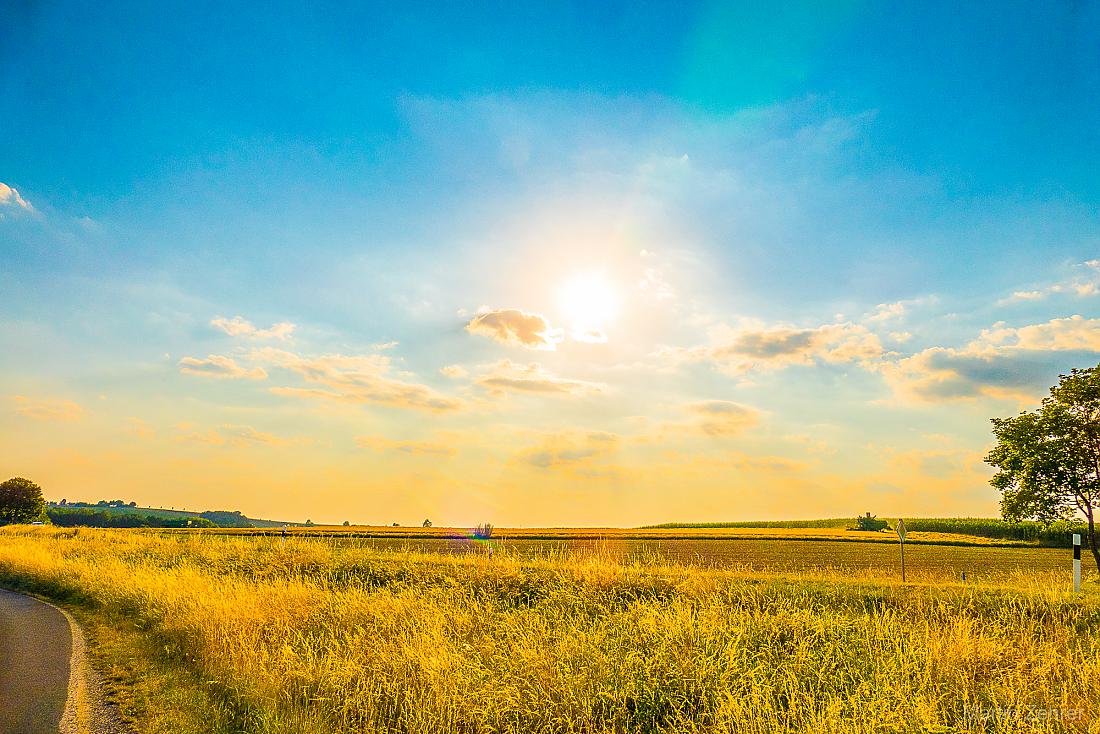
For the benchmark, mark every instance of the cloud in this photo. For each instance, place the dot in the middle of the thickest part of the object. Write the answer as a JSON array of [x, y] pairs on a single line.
[[738, 351], [590, 336], [418, 448], [47, 410], [218, 366], [453, 371], [140, 429], [250, 434], [1086, 282], [1073, 332], [384, 346], [353, 379], [724, 417], [1004, 362], [887, 311], [230, 435], [10, 199], [515, 327], [507, 376], [573, 451], [238, 326]]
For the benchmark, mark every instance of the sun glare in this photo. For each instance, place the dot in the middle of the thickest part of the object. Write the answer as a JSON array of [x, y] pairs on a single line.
[[589, 303]]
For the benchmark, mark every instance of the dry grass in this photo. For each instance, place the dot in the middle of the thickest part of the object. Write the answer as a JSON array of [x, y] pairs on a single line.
[[327, 636]]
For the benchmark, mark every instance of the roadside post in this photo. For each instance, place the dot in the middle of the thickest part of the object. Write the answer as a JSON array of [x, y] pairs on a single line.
[[901, 537], [1076, 562]]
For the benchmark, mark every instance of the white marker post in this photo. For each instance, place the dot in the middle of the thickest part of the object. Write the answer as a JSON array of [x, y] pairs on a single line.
[[901, 536], [1076, 562]]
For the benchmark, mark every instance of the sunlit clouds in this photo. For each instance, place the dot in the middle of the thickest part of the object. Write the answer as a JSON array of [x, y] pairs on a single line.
[[532, 378], [220, 367], [10, 199], [515, 327], [238, 326]]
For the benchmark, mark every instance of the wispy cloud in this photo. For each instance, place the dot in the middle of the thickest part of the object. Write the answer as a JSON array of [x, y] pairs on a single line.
[[418, 448], [238, 326], [453, 371], [515, 327], [1085, 282], [221, 367], [507, 376], [740, 350], [570, 450], [353, 379], [47, 409], [230, 435], [724, 417]]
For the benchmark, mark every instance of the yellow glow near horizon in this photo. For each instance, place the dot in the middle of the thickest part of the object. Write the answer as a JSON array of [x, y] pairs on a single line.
[[589, 302]]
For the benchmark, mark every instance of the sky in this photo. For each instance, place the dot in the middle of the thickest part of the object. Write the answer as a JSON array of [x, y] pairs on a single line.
[[540, 264]]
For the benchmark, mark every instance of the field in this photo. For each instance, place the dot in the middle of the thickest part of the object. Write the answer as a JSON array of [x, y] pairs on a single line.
[[221, 632]]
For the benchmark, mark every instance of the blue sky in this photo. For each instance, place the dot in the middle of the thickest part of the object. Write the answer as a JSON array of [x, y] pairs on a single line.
[[813, 247]]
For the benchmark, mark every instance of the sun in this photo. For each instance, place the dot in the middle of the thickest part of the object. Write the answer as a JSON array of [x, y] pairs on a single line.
[[589, 304]]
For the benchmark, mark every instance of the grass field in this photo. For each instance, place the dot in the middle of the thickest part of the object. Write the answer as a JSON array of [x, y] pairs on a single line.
[[341, 634]]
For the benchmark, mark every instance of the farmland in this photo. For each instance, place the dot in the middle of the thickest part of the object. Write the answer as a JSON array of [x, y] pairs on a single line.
[[346, 634]]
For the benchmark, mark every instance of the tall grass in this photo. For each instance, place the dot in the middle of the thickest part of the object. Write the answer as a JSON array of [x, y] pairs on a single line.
[[316, 636]]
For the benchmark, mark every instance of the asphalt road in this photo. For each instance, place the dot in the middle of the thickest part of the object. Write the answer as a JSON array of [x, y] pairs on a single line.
[[35, 649]]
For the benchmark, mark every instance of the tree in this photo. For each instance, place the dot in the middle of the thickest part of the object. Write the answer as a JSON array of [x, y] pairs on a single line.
[[1048, 460], [21, 501], [347, 523], [427, 523]]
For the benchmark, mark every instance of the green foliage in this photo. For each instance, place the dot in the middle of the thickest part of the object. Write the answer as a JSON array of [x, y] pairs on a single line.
[[1048, 460], [21, 502], [96, 518], [871, 523], [224, 519], [1059, 533]]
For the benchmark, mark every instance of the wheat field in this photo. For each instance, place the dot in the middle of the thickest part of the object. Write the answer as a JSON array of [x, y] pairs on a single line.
[[316, 636]]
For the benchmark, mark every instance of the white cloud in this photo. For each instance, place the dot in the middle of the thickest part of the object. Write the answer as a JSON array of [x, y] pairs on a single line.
[[1083, 283], [238, 326], [10, 199], [219, 366], [353, 379]]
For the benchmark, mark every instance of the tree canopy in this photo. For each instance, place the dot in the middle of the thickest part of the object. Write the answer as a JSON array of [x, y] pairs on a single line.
[[21, 501], [1048, 460]]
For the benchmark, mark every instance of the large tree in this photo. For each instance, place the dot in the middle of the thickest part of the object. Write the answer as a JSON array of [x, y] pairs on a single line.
[[1048, 460], [21, 501]]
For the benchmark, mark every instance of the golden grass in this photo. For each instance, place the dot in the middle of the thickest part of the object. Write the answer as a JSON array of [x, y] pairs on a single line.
[[515, 534], [327, 636]]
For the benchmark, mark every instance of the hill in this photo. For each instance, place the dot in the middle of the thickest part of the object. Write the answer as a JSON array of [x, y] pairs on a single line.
[[116, 513]]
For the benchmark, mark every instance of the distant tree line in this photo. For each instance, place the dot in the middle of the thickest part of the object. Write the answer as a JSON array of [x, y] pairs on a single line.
[[68, 517]]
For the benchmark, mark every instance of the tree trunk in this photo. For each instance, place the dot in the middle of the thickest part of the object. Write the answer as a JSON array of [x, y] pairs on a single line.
[[1092, 539]]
